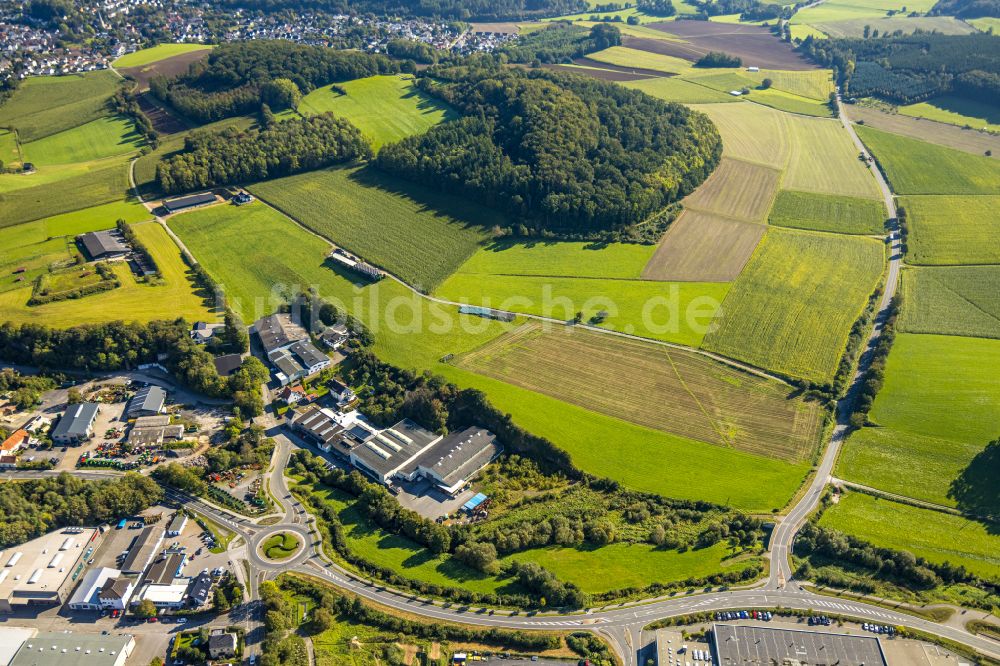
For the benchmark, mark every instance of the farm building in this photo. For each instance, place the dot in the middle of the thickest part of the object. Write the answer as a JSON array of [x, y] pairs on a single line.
[[190, 201], [356, 265], [242, 198], [44, 570], [227, 364], [289, 349], [488, 313], [751, 644], [76, 425], [74, 649], [103, 244], [148, 401]]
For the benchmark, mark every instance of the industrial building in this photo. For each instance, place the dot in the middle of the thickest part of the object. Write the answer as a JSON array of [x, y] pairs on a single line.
[[107, 244], [403, 452], [155, 435], [143, 548], [76, 425], [102, 588], [289, 349], [147, 401], [177, 524], [74, 649], [751, 644], [43, 571]]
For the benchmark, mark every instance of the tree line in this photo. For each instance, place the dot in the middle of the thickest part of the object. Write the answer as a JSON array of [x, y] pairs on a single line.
[[237, 77], [557, 153], [913, 68], [561, 42], [462, 10], [237, 156], [33, 507]]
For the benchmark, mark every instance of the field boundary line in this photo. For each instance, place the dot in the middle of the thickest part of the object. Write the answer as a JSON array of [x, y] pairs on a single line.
[[701, 407], [911, 501]]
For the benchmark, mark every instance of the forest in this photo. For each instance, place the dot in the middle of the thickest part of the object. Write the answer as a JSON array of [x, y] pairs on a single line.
[[559, 154], [966, 8], [234, 79], [462, 10], [913, 68], [236, 156], [35, 506], [561, 42]]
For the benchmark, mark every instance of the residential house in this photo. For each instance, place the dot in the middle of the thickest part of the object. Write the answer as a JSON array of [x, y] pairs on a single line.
[[221, 644]]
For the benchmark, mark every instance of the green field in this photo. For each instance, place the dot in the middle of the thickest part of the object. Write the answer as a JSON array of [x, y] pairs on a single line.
[[952, 300], [166, 298], [626, 57], [280, 546], [44, 105], [823, 212], [949, 230], [856, 27], [841, 10], [419, 235], [916, 167], [751, 132], [956, 111], [784, 101], [105, 181], [384, 108], [795, 92], [793, 306], [10, 156], [260, 269], [675, 89], [157, 53], [823, 159], [104, 137], [937, 537], [36, 245], [559, 259], [985, 23]]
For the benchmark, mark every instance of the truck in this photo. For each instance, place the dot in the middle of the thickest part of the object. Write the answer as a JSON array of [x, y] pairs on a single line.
[[121, 524]]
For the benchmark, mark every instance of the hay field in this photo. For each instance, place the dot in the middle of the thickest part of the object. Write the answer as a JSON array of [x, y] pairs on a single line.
[[949, 230], [842, 10], [91, 184], [559, 259], [105, 137], [736, 189], [384, 108], [751, 132], [952, 300], [419, 235], [917, 167], [704, 247], [823, 159], [675, 89], [784, 101], [888, 24], [950, 136], [157, 53], [44, 105], [681, 312], [792, 308], [824, 212], [925, 533], [678, 392], [956, 111], [9, 153], [167, 298], [633, 58]]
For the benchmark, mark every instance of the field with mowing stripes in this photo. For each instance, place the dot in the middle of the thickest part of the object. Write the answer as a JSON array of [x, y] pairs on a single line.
[[626, 57], [104, 137], [823, 159], [823, 212], [678, 392], [736, 189], [948, 230], [792, 308], [925, 533], [952, 300], [751, 132], [384, 108], [44, 105], [704, 247], [387, 221], [916, 167], [168, 298], [674, 89], [559, 259]]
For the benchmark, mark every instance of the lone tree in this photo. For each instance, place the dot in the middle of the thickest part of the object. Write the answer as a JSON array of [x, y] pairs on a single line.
[[145, 609], [765, 84]]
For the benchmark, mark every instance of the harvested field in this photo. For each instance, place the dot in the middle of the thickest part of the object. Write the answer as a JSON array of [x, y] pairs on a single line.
[[952, 300], [602, 74], [856, 27], [674, 391], [736, 189], [754, 44], [168, 67], [823, 159], [702, 247], [618, 69], [823, 212], [164, 121], [751, 132], [504, 28], [969, 141], [627, 58], [953, 230], [793, 307]]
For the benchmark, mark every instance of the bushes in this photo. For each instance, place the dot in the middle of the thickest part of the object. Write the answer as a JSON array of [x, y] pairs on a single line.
[[871, 383], [129, 235], [561, 42], [41, 294], [719, 59], [238, 156]]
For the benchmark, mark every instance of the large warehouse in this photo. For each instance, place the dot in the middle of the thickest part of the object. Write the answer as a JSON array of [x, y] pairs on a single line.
[[74, 649], [751, 644], [43, 571]]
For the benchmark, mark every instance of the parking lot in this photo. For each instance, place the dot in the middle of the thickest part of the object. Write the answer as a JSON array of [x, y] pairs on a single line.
[[424, 498]]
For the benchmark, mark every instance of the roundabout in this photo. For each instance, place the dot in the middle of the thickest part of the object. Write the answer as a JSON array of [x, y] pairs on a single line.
[[279, 547]]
